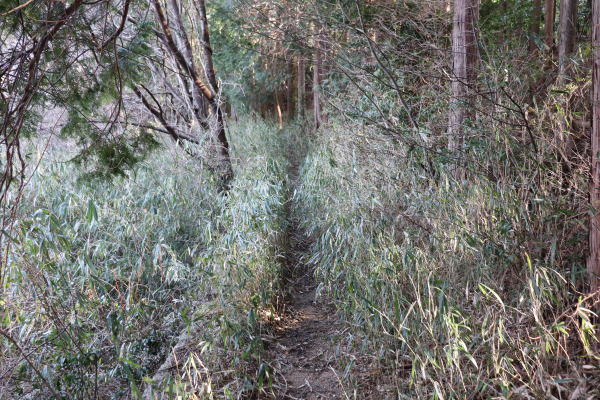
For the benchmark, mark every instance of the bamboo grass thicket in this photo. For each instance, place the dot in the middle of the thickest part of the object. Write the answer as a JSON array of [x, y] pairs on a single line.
[[102, 276]]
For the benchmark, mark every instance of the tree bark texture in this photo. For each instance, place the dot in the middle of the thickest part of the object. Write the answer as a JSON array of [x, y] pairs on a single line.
[[301, 84], [464, 69], [209, 69], [593, 262], [215, 105], [291, 88], [566, 32], [549, 18], [316, 85], [536, 17]]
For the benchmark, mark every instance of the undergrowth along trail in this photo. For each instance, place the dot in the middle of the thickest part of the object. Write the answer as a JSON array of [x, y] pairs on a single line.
[[107, 282]]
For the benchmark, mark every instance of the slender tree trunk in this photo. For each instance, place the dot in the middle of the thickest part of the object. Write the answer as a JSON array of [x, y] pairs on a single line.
[[324, 69], [464, 70], [301, 84], [207, 92], [209, 69], [199, 102], [536, 16], [215, 102], [549, 18], [278, 105], [291, 88], [593, 262], [167, 38], [566, 32], [472, 48], [316, 85], [459, 74], [263, 110]]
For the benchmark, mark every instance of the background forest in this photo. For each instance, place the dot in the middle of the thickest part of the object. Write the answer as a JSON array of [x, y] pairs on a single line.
[[439, 161]]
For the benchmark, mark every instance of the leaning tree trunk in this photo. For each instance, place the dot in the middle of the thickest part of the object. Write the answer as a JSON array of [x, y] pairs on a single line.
[[207, 91], [593, 262], [199, 103], [214, 101]]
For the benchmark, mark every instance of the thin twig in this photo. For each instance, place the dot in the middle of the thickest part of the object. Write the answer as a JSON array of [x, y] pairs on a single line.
[[37, 371]]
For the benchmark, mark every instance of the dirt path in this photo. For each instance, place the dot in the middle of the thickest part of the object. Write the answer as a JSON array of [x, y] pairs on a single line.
[[303, 349]]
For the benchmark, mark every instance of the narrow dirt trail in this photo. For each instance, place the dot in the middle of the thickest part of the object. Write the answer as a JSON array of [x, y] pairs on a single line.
[[302, 352]]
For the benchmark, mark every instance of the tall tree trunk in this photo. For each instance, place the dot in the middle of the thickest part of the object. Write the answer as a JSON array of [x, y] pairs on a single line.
[[549, 18], [464, 70], [301, 84], [472, 48], [536, 16], [593, 262], [316, 85], [566, 32], [459, 74], [291, 88]]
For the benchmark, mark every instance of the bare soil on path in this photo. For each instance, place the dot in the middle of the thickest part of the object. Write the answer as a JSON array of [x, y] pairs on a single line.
[[302, 352]]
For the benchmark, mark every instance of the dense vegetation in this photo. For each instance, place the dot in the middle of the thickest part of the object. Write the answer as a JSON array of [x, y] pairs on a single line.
[[440, 158]]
